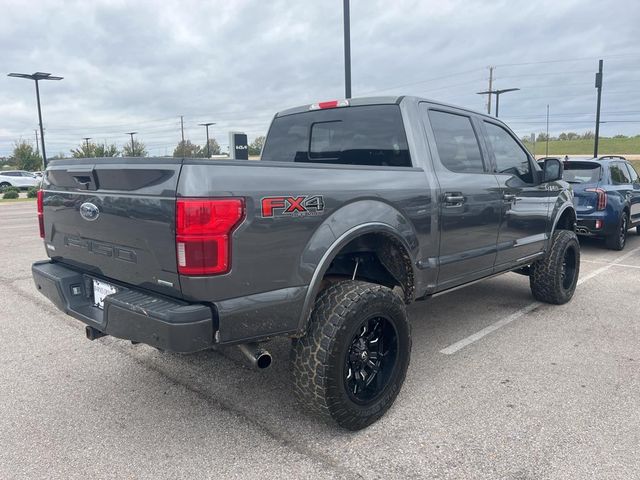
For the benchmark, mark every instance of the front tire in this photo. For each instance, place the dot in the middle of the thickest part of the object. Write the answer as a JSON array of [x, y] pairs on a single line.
[[617, 240], [554, 278], [351, 364]]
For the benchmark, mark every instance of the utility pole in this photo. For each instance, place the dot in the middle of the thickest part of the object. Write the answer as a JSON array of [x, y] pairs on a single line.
[[490, 89], [546, 154], [206, 125], [182, 127], [347, 49], [37, 147], [498, 93], [86, 140], [599, 87], [132, 144], [36, 77]]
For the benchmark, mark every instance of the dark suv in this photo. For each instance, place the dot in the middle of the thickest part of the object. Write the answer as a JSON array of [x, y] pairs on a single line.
[[607, 197]]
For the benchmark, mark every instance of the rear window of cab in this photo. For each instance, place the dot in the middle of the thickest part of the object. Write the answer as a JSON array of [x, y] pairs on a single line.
[[366, 135]]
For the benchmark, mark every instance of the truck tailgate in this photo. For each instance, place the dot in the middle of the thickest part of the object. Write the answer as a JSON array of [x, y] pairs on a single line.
[[115, 218]]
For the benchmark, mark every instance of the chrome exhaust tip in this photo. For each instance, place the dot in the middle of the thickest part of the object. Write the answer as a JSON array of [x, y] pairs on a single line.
[[257, 356]]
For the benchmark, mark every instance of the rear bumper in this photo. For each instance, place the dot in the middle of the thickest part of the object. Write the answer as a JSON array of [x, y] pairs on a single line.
[[586, 225], [130, 314]]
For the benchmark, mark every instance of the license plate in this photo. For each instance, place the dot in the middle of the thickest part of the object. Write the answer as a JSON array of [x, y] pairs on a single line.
[[100, 290]]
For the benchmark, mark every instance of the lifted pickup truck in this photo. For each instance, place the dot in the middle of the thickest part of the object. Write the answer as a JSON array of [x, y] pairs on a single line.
[[357, 208]]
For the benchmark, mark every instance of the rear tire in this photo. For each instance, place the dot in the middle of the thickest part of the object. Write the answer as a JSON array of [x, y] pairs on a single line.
[[4, 185], [554, 278], [351, 364], [618, 240]]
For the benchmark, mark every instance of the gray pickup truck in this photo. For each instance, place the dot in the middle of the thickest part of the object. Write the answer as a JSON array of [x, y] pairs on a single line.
[[356, 208]]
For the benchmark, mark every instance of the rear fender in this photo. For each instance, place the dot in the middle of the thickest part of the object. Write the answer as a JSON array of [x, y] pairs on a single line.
[[563, 203], [344, 226]]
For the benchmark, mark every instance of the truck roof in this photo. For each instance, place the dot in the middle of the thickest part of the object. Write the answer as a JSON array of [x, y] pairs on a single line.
[[382, 100]]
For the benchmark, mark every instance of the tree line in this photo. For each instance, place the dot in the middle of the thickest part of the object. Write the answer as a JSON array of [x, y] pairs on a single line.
[[25, 155], [542, 137]]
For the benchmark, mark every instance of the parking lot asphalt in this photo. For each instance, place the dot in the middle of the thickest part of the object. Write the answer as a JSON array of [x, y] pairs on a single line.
[[498, 387]]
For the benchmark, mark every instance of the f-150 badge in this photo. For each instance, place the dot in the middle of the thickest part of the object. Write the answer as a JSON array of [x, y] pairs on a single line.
[[296, 206]]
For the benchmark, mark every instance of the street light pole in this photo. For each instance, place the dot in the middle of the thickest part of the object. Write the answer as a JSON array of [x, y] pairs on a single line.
[[599, 87], [206, 126], [86, 140], [497, 93], [546, 152], [347, 49], [132, 144], [36, 77]]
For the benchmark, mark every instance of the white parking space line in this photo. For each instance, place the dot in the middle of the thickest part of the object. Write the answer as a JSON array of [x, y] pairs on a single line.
[[455, 347], [614, 265]]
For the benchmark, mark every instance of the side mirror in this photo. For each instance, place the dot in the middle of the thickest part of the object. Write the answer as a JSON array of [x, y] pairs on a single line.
[[552, 170]]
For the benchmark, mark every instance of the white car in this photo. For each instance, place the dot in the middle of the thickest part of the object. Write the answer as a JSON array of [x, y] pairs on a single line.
[[18, 178]]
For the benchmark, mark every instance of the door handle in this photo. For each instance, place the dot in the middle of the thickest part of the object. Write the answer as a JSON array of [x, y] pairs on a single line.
[[509, 197], [453, 198]]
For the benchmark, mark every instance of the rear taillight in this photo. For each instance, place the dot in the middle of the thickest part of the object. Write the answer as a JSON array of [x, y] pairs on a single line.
[[601, 202], [39, 198], [203, 229]]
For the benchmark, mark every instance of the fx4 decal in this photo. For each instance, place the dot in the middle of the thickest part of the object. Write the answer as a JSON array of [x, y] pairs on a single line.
[[298, 206]]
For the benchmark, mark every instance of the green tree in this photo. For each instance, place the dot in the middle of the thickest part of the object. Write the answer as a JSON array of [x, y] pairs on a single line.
[[186, 149], [91, 149], [588, 135], [24, 157], [542, 137], [214, 149], [139, 149], [83, 151], [255, 148]]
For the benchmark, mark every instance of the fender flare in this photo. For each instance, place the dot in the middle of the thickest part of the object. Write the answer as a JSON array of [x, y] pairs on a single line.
[[565, 206], [333, 250]]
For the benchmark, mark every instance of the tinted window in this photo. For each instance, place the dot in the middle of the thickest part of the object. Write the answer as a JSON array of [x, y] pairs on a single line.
[[510, 157], [575, 172], [456, 141], [619, 174], [633, 173], [367, 135]]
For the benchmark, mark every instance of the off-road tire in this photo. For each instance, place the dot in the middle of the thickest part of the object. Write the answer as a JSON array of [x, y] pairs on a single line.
[[617, 240], [546, 276], [318, 359]]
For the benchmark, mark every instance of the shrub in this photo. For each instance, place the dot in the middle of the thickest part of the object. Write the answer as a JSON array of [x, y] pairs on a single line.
[[9, 189], [32, 192], [10, 195]]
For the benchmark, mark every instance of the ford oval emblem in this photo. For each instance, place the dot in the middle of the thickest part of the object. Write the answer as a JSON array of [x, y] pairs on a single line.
[[89, 211]]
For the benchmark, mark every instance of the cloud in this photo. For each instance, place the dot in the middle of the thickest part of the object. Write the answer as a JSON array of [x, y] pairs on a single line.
[[140, 65]]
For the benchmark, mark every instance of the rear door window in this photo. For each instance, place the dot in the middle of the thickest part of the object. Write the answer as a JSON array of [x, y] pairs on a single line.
[[633, 173], [367, 135], [456, 142], [619, 174]]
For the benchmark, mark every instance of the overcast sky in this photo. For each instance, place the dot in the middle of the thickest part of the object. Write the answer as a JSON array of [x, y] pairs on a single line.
[[138, 66]]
